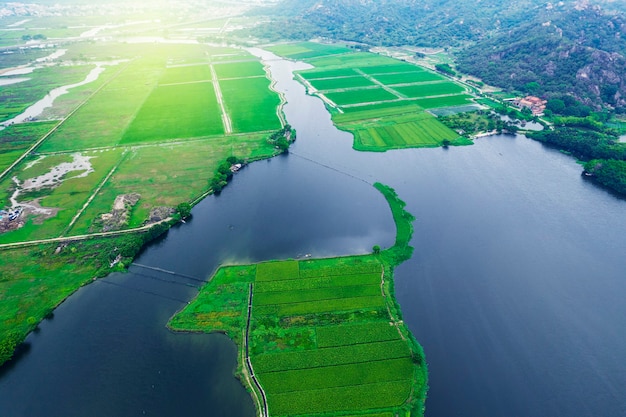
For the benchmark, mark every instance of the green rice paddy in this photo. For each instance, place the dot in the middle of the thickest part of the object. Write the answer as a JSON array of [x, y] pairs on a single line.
[[316, 346]]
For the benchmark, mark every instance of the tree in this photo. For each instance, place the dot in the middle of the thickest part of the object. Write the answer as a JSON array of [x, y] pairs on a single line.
[[376, 249], [184, 209]]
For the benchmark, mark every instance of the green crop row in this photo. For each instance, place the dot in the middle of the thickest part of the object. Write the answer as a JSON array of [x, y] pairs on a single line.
[[408, 77], [431, 89], [269, 271], [317, 282], [375, 396], [349, 334], [340, 355], [352, 374], [315, 294], [310, 307]]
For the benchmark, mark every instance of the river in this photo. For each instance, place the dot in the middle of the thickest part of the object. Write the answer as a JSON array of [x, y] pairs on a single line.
[[515, 288]]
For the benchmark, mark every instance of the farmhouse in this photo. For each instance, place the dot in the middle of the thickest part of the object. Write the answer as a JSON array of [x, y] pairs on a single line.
[[536, 105]]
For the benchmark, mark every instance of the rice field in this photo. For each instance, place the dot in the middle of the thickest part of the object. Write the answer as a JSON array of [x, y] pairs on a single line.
[[355, 96], [176, 112], [250, 104], [341, 83], [306, 50]]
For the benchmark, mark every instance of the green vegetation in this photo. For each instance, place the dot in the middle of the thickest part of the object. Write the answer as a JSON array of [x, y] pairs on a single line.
[[326, 336], [306, 50], [139, 146], [251, 105], [35, 279], [386, 116], [609, 173], [471, 123]]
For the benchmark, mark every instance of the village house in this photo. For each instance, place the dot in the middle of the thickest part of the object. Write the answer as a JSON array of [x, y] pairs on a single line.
[[536, 105]]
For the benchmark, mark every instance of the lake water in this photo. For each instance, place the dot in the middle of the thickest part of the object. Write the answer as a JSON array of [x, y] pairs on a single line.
[[515, 288]]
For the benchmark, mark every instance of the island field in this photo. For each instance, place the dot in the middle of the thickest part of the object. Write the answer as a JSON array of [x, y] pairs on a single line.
[[319, 337], [382, 101]]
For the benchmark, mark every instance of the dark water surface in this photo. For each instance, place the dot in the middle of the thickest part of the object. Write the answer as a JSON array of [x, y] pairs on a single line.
[[515, 288]]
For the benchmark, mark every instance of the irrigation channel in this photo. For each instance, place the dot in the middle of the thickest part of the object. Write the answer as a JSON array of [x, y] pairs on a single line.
[[515, 288]]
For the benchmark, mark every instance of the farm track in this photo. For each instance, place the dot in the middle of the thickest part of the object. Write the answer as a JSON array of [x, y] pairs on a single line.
[[264, 411], [228, 127]]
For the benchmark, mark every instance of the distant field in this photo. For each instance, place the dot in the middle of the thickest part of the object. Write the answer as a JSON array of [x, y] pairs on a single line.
[[434, 89], [361, 96], [407, 77], [391, 66], [176, 111], [314, 74], [446, 101], [353, 60], [251, 104], [239, 69], [186, 74], [304, 50], [120, 100], [340, 83]]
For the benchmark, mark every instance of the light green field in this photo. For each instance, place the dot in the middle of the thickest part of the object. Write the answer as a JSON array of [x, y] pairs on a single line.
[[314, 74], [314, 348], [430, 89], [176, 112], [391, 66], [407, 77], [251, 104], [186, 74], [353, 60], [446, 101], [341, 83], [119, 100], [239, 69], [360, 96], [305, 50]]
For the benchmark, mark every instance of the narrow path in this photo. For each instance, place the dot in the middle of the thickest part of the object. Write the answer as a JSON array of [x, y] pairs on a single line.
[[81, 237], [228, 127], [264, 411]]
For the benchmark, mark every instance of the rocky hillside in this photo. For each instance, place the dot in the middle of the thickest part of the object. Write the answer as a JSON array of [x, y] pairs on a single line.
[[579, 50]]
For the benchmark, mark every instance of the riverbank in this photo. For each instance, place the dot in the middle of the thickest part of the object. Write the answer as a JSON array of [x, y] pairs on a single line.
[[333, 323]]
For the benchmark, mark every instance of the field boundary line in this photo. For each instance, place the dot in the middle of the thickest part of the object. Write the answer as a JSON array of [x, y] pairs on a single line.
[[93, 195], [375, 81], [264, 412], [228, 127]]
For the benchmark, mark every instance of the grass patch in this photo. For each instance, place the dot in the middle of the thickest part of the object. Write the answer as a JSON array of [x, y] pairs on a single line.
[[15, 139], [319, 344], [446, 101]]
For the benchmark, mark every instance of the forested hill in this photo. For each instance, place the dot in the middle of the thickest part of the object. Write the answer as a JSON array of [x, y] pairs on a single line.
[[538, 47], [395, 22], [580, 51]]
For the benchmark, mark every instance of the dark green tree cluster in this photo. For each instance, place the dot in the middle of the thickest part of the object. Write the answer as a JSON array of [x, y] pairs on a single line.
[[283, 138], [446, 69], [609, 172]]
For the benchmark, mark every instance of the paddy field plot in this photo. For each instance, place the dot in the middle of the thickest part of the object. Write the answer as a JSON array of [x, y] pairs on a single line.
[[407, 77], [306, 50], [239, 69], [355, 96], [176, 112], [251, 105], [186, 74]]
